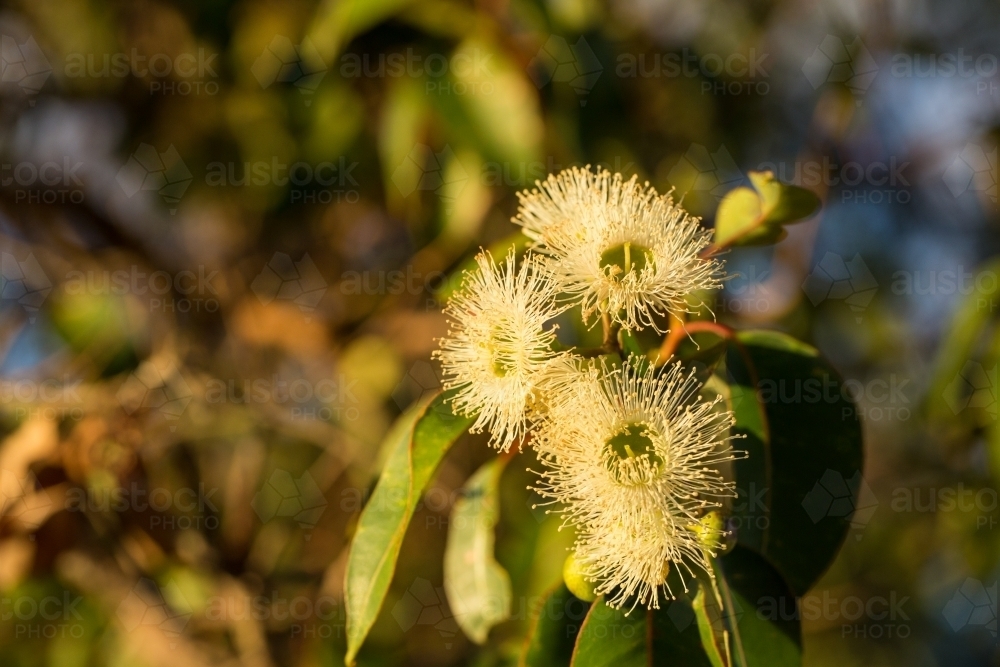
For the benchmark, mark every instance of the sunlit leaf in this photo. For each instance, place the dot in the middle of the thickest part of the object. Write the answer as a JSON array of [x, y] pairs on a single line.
[[756, 216], [500, 100], [421, 438]]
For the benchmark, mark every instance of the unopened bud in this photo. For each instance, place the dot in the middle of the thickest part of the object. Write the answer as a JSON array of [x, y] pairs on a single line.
[[709, 530], [576, 582]]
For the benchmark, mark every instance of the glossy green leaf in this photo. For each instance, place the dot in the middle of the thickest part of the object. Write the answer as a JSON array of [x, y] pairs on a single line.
[[709, 612], [553, 635], [420, 439], [610, 638], [759, 611], [801, 478], [746, 617], [756, 216], [477, 586]]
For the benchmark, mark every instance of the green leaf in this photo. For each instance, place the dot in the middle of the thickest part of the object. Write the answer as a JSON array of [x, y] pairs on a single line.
[[756, 216], [964, 342], [551, 640], [804, 445], [709, 612], [507, 121], [336, 23], [610, 638], [746, 617], [759, 610], [477, 586], [420, 439]]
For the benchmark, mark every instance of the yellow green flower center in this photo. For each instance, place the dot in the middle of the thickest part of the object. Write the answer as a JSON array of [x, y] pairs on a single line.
[[499, 350], [630, 454], [620, 260]]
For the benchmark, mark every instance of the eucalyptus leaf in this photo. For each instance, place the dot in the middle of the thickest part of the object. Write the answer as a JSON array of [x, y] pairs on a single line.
[[419, 440], [477, 586], [613, 638], [709, 611], [755, 216], [801, 481], [760, 612], [553, 635]]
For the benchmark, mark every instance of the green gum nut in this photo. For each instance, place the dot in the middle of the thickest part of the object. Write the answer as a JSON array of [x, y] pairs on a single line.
[[575, 581]]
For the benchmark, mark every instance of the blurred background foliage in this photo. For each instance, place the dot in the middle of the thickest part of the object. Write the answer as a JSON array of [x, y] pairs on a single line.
[[224, 225]]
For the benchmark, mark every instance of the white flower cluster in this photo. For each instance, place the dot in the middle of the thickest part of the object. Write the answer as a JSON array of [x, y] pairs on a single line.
[[630, 450]]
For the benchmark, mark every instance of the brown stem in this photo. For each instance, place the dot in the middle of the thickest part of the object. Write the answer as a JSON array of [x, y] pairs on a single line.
[[679, 330], [610, 345]]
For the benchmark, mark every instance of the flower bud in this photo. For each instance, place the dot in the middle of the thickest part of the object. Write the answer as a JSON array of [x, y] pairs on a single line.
[[575, 580]]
